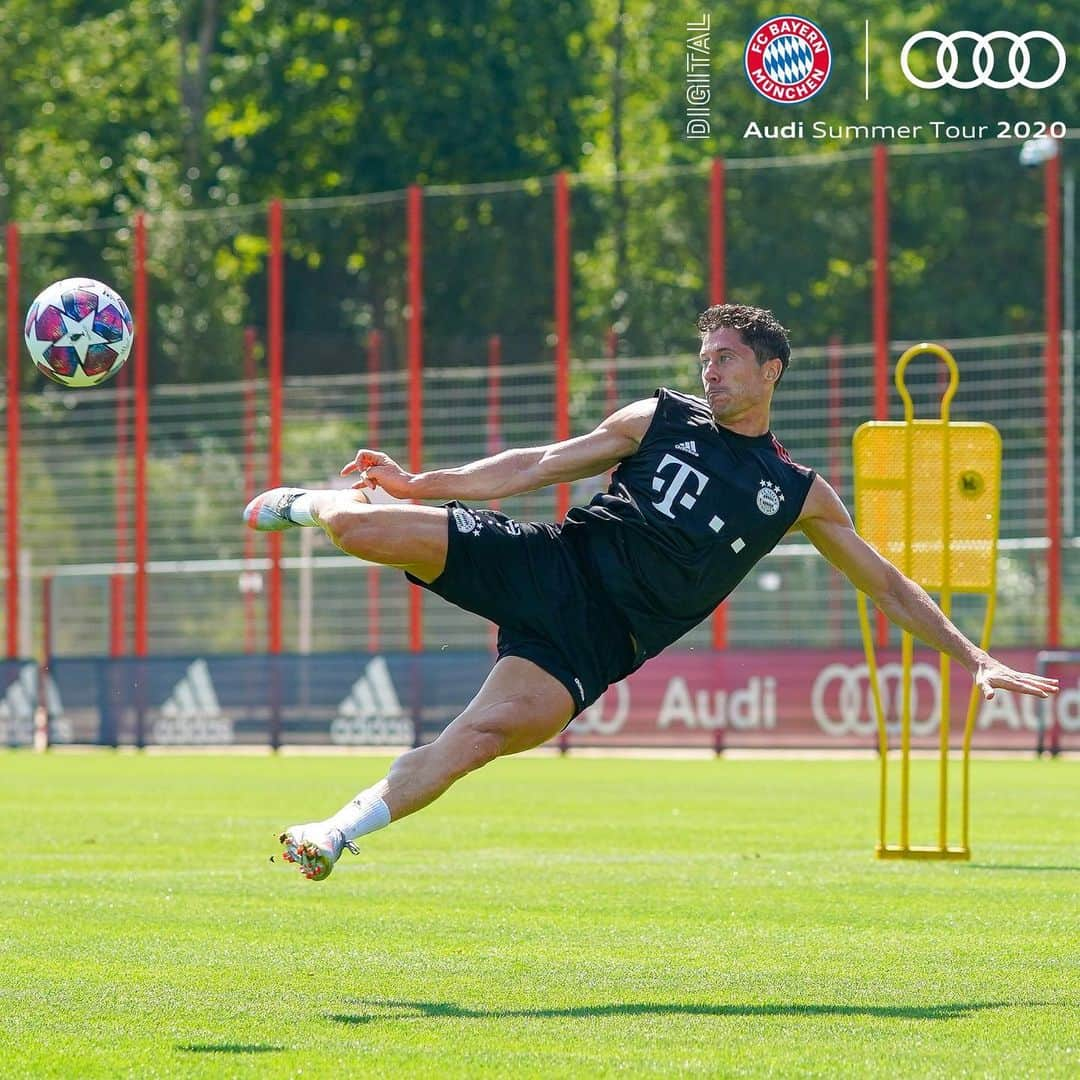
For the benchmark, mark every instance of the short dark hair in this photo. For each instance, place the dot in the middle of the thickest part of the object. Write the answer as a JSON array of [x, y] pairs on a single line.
[[760, 329]]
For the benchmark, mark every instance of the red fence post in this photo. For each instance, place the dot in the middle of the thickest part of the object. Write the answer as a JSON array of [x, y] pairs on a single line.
[[46, 622], [415, 232], [117, 595], [717, 241], [494, 426], [835, 411], [41, 713], [275, 317], [142, 424], [247, 582], [1052, 197], [11, 519], [611, 374], [494, 394], [374, 407], [880, 178], [494, 398], [717, 291], [562, 328]]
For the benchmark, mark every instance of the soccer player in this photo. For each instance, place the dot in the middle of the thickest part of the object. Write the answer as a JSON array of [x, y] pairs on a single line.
[[701, 491]]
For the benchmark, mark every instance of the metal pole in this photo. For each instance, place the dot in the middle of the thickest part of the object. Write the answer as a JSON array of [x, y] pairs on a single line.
[[1069, 372], [880, 229], [834, 360], [276, 363], [11, 518], [374, 408], [562, 327], [117, 619], [611, 376], [249, 478], [717, 290], [494, 429], [1052, 195], [303, 630], [415, 232], [42, 719], [26, 610], [717, 243], [142, 424], [494, 399]]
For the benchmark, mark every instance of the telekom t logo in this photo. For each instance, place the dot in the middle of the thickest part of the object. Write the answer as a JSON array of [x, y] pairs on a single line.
[[683, 478]]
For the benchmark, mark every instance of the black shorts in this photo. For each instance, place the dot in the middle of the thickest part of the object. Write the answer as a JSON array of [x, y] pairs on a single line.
[[533, 582]]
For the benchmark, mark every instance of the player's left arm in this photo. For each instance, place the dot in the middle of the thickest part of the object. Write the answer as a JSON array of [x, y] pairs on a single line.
[[827, 524]]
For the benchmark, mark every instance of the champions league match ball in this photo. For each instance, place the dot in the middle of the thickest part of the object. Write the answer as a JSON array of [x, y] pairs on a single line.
[[78, 331]]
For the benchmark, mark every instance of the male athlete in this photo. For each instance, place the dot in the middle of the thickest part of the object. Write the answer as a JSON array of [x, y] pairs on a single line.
[[701, 491]]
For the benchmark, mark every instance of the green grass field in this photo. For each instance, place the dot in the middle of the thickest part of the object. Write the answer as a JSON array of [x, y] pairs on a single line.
[[549, 917]]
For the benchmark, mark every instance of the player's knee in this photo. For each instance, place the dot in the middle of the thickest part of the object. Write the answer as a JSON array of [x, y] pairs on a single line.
[[481, 739], [347, 522]]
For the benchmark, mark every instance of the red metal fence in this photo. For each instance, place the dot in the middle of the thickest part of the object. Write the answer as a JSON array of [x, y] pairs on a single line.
[[381, 314]]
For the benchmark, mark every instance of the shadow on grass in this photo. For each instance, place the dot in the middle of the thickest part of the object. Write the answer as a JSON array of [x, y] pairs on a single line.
[[229, 1048], [1022, 866], [447, 1010]]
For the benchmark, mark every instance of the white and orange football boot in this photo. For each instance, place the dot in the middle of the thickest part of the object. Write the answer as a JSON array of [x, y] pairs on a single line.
[[314, 848]]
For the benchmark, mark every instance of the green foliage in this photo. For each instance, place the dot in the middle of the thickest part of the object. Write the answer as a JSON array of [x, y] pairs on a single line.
[[182, 105]]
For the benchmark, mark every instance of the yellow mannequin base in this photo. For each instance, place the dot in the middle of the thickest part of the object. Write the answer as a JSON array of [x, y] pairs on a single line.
[[894, 851]]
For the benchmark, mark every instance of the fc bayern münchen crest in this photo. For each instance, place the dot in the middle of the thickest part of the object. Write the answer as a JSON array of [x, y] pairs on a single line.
[[465, 521], [788, 59], [769, 498]]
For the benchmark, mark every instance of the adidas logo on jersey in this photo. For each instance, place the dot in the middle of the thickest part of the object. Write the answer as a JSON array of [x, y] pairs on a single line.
[[688, 447], [371, 714], [191, 714]]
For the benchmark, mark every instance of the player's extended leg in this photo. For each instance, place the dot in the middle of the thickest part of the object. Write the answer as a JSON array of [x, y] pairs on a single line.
[[408, 537], [518, 707]]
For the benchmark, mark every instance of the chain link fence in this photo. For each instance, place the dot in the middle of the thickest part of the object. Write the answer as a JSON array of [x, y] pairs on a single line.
[[965, 268], [206, 570]]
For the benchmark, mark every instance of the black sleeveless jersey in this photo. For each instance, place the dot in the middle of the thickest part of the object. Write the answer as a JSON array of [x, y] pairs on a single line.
[[685, 518]]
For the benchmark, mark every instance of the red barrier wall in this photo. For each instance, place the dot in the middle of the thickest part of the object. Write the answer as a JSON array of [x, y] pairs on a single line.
[[810, 698]]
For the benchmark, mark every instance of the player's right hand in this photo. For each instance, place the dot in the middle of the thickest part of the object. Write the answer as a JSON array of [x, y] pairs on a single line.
[[379, 470]]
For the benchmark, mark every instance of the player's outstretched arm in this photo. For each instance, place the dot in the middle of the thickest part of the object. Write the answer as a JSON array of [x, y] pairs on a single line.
[[513, 471], [826, 523]]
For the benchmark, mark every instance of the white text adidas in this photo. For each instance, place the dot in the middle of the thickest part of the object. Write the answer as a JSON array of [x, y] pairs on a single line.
[[371, 714], [191, 714]]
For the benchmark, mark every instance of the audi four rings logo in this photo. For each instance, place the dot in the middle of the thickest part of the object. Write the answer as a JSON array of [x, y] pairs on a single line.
[[983, 57], [843, 704]]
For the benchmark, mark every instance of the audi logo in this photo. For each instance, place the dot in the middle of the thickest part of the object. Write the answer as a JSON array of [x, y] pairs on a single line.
[[983, 59], [843, 703]]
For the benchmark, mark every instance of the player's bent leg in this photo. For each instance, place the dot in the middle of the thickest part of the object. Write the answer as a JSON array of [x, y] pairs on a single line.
[[412, 538], [408, 537], [519, 706]]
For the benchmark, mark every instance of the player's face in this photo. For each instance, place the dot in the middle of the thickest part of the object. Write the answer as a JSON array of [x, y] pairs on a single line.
[[734, 381]]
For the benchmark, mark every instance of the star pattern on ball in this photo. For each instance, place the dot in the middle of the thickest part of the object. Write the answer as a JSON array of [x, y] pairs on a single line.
[[79, 334]]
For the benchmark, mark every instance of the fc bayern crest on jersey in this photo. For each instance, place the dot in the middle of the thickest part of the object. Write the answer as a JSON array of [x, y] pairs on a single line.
[[466, 522], [769, 498], [788, 59]]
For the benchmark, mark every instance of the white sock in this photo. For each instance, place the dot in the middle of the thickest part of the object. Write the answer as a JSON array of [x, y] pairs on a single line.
[[302, 513], [300, 509], [364, 814]]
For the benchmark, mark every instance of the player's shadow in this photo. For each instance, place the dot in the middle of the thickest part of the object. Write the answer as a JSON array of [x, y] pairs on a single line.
[[230, 1048], [398, 1010]]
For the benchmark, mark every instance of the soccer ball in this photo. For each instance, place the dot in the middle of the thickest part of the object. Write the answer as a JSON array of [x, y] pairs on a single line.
[[78, 331]]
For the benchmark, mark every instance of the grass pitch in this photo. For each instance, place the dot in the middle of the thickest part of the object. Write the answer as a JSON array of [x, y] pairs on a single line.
[[547, 917]]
